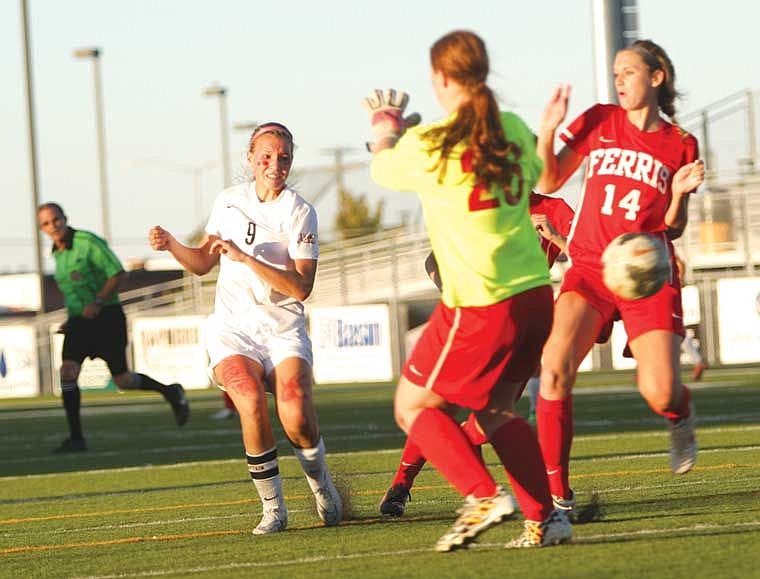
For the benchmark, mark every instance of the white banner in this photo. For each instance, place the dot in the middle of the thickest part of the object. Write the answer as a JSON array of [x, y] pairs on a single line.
[[690, 299], [18, 361], [171, 349], [739, 320], [351, 344], [618, 340], [94, 374], [19, 293]]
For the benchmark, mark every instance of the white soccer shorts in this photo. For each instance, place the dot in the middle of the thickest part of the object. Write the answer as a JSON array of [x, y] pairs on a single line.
[[256, 341]]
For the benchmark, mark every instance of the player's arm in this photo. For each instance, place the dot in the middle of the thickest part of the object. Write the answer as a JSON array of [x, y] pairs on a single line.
[[296, 283], [557, 167], [546, 230], [198, 260], [685, 182]]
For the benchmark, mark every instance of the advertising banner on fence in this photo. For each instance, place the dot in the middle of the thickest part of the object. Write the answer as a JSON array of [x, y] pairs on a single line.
[[19, 292], [351, 344], [692, 315], [19, 376], [739, 320], [94, 374], [171, 349]]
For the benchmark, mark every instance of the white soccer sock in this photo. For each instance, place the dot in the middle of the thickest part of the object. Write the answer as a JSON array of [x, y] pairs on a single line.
[[265, 474], [313, 463], [691, 350], [532, 387]]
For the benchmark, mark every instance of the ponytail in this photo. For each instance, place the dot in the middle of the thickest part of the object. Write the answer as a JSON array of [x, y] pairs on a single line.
[[462, 56]]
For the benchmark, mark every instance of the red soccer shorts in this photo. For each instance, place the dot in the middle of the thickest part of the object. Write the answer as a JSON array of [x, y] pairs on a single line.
[[464, 352], [661, 311]]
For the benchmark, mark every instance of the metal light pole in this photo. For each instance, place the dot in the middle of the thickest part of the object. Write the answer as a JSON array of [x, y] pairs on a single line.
[[94, 54], [221, 92], [615, 26], [44, 369], [32, 143]]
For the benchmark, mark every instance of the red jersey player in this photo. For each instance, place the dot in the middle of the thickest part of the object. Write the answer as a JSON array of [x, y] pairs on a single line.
[[640, 172]]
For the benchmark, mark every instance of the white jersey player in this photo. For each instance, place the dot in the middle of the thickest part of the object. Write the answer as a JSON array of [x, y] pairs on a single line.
[[264, 235]]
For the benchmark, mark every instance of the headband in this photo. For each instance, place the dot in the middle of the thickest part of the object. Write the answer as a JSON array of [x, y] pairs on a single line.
[[272, 127]]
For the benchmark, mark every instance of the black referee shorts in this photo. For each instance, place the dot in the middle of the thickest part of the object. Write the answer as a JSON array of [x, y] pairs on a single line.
[[102, 337]]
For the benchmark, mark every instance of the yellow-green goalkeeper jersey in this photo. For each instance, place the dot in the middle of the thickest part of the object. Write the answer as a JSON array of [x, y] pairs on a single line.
[[487, 250]]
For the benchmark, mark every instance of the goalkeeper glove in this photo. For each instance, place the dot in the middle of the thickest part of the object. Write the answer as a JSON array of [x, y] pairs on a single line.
[[387, 116]]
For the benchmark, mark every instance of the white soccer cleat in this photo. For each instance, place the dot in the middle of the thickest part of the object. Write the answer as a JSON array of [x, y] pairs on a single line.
[[223, 414], [273, 521], [554, 530], [476, 516], [329, 503], [683, 443]]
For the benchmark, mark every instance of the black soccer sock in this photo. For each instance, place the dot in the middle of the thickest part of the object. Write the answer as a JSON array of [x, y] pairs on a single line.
[[72, 397], [145, 382]]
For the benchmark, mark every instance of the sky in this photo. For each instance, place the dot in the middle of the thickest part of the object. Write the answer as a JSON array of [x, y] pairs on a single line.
[[307, 64]]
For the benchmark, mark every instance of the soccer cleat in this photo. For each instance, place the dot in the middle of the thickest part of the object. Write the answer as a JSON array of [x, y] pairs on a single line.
[[179, 404], [683, 443], [223, 414], [71, 445], [394, 501], [554, 530], [567, 506], [329, 503], [476, 516], [273, 521]]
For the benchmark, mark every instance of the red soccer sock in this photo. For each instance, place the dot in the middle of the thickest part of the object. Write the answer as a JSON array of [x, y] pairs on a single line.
[[683, 410], [517, 447], [554, 419], [412, 461], [446, 446]]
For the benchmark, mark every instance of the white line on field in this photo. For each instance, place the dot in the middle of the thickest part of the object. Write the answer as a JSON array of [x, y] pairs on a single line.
[[250, 515], [489, 546], [724, 484], [661, 454], [193, 464], [417, 502]]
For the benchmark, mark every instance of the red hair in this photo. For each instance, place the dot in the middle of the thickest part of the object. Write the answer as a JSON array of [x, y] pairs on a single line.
[[461, 56]]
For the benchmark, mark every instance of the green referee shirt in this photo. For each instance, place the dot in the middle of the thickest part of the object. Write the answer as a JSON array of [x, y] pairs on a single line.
[[82, 269]]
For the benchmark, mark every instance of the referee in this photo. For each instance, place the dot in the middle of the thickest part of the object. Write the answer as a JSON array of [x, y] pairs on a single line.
[[89, 274]]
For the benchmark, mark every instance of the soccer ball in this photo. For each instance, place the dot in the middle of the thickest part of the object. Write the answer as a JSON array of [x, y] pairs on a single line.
[[635, 265]]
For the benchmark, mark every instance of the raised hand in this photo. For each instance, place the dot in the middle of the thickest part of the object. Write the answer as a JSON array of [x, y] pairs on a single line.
[[556, 109], [387, 116], [688, 178]]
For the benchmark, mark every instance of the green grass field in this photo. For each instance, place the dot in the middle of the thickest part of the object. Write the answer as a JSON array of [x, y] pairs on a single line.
[[151, 500]]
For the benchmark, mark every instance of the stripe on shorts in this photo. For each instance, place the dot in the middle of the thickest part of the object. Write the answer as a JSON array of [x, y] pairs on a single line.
[[446, 347]]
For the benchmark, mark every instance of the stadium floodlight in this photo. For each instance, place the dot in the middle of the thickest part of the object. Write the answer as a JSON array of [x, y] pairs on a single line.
[[220, 92], [245, 126], [93, 54]]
